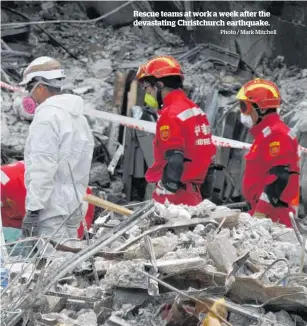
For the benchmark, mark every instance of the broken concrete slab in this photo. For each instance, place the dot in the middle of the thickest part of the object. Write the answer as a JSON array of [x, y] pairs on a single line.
[[179, 265], [223, 253], [102, 265], [83, 90], [125, 274], [101, 68], [87, 317], [161, 245], [247, 289]]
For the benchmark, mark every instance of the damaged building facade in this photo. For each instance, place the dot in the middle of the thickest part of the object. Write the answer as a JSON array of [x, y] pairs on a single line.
[[145, 264]]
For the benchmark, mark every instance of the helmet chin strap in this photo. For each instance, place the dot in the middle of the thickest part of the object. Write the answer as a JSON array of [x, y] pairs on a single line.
[[260, 114], [159, 96]]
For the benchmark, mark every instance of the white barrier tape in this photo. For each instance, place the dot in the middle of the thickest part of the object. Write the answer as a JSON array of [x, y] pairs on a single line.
[[11, 88], [151, 128], [146, 125]]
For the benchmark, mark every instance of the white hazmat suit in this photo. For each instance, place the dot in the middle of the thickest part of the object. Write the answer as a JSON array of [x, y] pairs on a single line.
[[58, 134]]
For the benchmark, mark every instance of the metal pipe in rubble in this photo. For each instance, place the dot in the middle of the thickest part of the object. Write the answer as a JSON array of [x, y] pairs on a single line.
[[79, 258], [237, 205], [90, 251], [151, 128], [83, 223]]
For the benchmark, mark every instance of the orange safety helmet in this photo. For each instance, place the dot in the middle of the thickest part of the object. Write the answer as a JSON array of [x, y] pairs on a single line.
[[264, 93], [159, 67]]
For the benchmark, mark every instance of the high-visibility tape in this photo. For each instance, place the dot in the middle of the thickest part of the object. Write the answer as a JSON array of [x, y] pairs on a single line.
[[150, 127]]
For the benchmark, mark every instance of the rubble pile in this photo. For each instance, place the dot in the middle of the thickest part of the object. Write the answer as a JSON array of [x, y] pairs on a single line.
[[209, 252]]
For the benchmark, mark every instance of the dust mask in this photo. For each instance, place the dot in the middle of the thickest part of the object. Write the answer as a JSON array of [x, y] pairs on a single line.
[[246, 120], [28, 103], [151, 101]]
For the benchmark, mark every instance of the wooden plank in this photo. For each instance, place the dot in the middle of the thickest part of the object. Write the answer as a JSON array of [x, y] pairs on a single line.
[[118, 98], [132, 97], [128, 162], [8, 31], [107, 205], [130, 142], [119, 89]]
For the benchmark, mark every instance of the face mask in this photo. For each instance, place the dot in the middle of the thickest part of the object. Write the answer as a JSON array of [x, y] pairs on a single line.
[[151, 101], [246, 120], [28, 103]]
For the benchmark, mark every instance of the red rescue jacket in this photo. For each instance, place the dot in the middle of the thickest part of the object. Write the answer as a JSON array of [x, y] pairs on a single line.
[[13, 196], [182, 125], [273, 145]]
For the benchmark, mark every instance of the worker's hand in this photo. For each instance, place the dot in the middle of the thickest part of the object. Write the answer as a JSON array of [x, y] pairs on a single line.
[[30, 224], [259, 215], [160, 189]]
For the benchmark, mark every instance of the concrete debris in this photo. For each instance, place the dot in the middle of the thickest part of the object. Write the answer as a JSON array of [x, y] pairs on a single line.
[[184, 256], [125, 274], [161, 245], [223, 253], [99, 174], [101, 68], [87, 317], [206, 247], [179, 265], [83, 90]]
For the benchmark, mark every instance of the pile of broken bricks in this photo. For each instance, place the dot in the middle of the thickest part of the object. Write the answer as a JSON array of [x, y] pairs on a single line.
[[165, 265]]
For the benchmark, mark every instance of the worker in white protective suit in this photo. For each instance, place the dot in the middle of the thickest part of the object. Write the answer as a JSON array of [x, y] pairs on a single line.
[[59, 139]]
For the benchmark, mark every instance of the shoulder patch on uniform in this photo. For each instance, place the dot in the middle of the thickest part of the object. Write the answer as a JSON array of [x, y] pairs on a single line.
[[274, 148], [164, 132], [266, 131]]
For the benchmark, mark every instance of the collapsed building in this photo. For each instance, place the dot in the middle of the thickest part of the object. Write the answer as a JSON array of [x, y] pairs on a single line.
[[208, 253]]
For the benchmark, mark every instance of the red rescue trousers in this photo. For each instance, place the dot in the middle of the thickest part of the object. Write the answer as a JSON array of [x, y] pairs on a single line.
[[190, 196], [276, 214]]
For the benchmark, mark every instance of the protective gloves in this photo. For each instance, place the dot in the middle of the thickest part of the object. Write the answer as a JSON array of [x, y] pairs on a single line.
[[30, 224], [160, 189]]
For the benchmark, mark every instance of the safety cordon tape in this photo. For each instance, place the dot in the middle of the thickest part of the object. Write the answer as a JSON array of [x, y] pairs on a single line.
[[11, 88], [146, 125], [150, 127]]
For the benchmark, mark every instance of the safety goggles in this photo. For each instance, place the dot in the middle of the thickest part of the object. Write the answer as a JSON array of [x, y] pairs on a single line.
[[29, 87], [56, 83], [246, 107], [145, 86]]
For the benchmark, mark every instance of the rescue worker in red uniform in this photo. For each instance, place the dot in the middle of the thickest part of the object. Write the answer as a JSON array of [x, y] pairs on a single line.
[[13, 197], [271, 176], [183, 148]]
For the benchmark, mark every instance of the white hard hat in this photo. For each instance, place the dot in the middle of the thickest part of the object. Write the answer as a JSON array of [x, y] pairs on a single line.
[[45, 67]]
